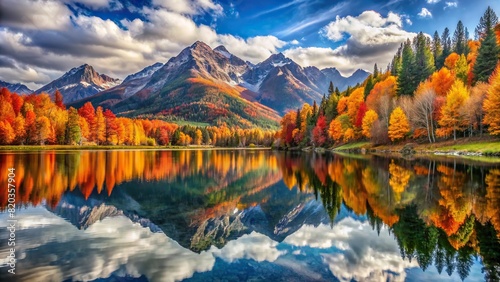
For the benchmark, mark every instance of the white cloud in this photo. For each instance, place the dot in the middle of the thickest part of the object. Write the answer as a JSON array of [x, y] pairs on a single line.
[[252, 246], [49, 239], [433, 1], [35, 15], [36, 41], [364, 255], [451, 5], [190, 7], [94, 253], [369, 38], [424, 13], [364, 26], [295, 42], [317, 56]]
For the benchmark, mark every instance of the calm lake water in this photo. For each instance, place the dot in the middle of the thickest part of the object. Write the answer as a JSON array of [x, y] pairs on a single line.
[[250, 216]]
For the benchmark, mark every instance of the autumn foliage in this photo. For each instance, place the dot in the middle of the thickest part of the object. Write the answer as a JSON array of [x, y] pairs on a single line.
[[432, 90], [398, 125], [492, 104], [37, 120]]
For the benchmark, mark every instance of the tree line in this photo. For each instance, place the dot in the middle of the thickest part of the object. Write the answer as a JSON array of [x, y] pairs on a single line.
[[436, 87], [36, 119]]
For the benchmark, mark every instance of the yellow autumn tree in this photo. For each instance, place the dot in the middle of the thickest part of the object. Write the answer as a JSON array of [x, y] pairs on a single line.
[[491, 104], [399, 179], [453, 117], [198, 136], [349, 135], [370, 117], [398, 124]]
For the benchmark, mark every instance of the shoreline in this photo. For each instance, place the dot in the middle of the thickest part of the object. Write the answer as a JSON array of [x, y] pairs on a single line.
[[40, 148]]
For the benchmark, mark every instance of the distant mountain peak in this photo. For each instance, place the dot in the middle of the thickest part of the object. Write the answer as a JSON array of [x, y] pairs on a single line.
[[223, 51], [200, 45], [80, 82], [277, 60], [16, 87], [360, 71]]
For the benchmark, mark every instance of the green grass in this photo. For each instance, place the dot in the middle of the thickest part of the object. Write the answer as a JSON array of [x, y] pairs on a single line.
[[352, 146], [477, 147]]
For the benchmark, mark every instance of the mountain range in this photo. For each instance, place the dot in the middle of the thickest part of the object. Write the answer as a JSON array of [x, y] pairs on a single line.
[[205, 85]]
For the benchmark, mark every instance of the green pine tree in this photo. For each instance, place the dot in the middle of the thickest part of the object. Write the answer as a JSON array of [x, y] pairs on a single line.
[[330, 88], [370, 83], [446, 43], [407, 82], [298, 120], [487, 57], [437, 50], [424, 60], [459, 39], [396, 61], [487, 22]]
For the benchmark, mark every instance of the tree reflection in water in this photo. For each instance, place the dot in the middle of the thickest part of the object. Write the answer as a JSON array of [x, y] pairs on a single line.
[[442, 211]]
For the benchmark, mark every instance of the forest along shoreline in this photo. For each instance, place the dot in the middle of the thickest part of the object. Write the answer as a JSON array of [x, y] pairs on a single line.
[[39, 148]]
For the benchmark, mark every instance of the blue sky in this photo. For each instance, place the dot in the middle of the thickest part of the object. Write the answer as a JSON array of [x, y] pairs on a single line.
[[43, 39]]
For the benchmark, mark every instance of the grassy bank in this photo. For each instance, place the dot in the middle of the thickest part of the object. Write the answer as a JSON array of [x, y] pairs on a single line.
[[461, 146], [353, 146], [111, 147]]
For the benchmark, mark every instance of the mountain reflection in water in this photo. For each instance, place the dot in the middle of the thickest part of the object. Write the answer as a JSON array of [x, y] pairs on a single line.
[[251, 215]]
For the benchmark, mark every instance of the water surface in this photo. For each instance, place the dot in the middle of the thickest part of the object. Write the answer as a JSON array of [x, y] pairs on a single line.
[[250, 215]]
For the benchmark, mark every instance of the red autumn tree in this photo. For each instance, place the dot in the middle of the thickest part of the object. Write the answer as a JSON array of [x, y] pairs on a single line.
[[59, 100], [111, 126], [360, 115], [320, 131]]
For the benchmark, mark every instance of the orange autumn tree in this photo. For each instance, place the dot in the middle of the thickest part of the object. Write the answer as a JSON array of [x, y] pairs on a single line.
[[453, 116], [451, 61], [335, 130], [442, 81], [354, 102], [100, 126], [491, 105], [398, 125], [7, 134]]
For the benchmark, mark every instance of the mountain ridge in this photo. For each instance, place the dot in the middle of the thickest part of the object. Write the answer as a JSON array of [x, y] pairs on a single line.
[[229, 89]]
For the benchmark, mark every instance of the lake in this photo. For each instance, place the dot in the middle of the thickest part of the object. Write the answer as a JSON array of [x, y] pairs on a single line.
[[249, 215]]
